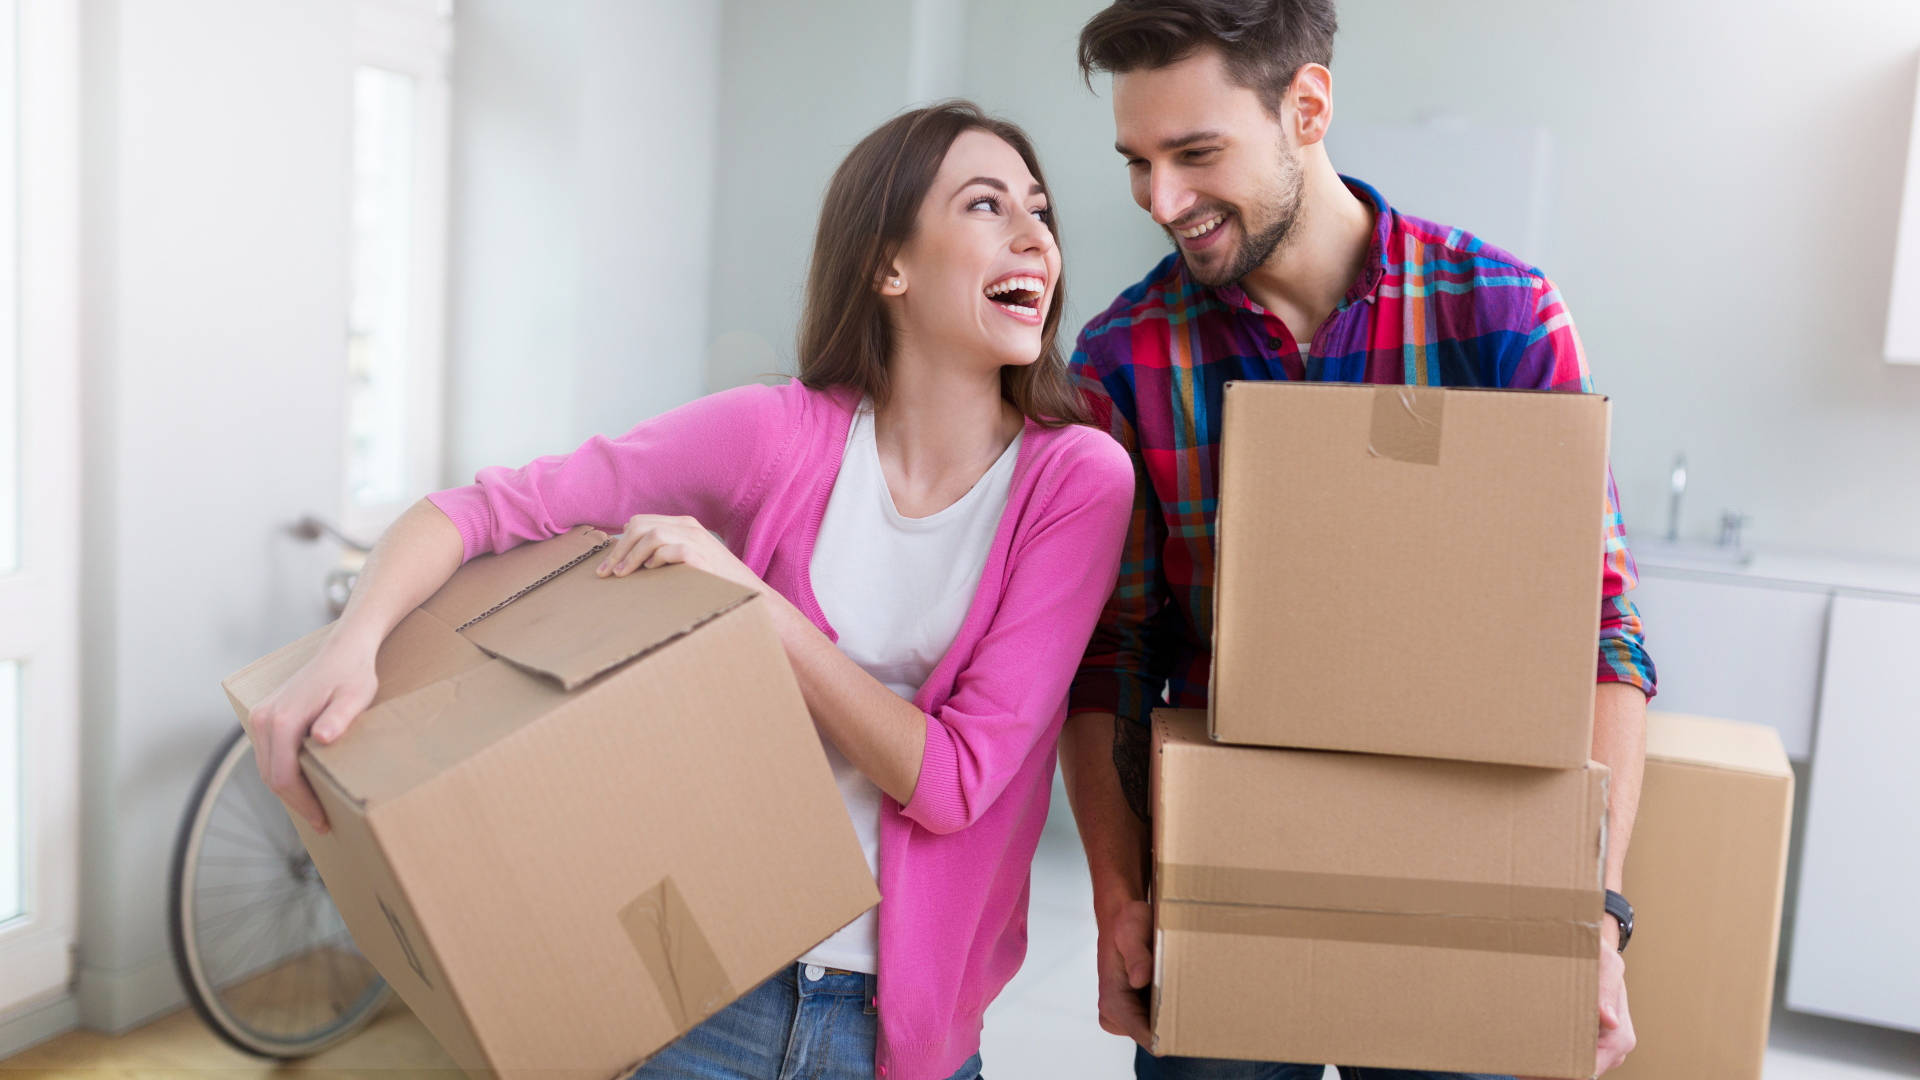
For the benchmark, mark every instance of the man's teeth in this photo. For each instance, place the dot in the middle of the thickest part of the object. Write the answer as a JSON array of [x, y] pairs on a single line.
[[1203, 228], [1018, 284]]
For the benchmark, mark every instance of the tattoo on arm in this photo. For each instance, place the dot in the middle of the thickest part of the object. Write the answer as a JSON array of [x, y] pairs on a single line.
[[1131, 746]]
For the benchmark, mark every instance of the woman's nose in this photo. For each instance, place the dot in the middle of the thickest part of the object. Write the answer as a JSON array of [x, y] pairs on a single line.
[[1033, 235]]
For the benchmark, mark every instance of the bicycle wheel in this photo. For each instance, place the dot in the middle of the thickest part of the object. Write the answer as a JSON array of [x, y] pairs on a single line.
[[263, 954]]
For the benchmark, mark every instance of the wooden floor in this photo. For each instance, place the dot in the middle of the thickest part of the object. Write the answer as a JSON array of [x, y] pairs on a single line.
[[178, 1046]]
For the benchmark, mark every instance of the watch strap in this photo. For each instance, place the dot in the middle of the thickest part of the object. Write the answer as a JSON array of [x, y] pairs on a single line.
[[1622, 913]]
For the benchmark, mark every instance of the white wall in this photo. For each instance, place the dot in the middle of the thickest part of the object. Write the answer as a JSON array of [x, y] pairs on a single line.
[[800, 85], [583, 156], [1729, 180], [803, 83], [215, 211]]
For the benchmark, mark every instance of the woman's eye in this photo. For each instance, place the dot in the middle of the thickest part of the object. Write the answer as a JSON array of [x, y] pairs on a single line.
[[987, 201], [1045, 214]]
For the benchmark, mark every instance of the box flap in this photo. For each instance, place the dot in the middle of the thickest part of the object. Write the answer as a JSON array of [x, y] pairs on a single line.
[[578, 625], [1718, 744], [403, 742], [487, 583], [419, 651]]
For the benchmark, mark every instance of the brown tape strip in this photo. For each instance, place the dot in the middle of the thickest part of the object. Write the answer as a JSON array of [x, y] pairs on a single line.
[[684, 967], [1407, 422], [1530, 937], [1397, 911], [1365, 892]]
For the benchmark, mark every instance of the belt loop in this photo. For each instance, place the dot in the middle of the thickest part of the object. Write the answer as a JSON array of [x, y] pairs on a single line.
[[872, 993]]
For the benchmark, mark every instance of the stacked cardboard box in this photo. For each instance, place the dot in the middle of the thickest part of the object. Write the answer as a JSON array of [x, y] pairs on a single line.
[[1706, 873], [533, 837], [1399, 863]]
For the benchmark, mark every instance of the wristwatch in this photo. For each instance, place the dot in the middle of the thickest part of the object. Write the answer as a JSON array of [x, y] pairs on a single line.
[[1622, 913]]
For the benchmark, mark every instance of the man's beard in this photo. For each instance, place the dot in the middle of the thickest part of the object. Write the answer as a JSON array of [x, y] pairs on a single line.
[[1282, 211]]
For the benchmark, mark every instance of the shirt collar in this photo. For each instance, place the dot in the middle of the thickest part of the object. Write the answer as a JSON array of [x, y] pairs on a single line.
[[1364, 283]]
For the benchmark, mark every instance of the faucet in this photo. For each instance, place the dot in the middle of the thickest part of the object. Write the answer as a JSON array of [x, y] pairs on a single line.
[[1731, 522], [1677, 484]]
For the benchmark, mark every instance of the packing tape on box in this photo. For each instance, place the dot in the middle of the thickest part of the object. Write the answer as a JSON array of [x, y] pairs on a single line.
[[1482, 916], [682, 963], [1407, 423]]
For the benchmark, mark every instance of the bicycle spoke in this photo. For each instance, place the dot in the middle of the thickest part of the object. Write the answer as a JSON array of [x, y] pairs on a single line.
[[240, 886], [244, 841], [219, 922], [270, 821]]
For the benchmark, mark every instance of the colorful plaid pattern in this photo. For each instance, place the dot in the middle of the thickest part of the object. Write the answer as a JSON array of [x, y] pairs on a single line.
[[1434, 306]]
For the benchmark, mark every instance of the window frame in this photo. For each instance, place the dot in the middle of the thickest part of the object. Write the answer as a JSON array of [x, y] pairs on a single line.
[[414, 38], [40, 602]]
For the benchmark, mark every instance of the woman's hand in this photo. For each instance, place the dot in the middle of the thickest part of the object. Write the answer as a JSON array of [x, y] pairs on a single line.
[[417, 555], [320, 700], [656, 540]]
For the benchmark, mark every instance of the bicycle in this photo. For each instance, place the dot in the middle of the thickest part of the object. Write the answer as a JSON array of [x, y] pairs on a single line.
[[265, 959]]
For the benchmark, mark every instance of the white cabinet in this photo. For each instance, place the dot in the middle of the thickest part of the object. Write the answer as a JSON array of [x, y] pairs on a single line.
[[1855, 952], [1744, 650]]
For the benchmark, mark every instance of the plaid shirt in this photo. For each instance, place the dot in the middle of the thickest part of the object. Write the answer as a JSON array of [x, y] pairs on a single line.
[[1432, 306]]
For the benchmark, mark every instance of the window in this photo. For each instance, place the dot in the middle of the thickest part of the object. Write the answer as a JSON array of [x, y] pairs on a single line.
[[397, 269], [39, 506]]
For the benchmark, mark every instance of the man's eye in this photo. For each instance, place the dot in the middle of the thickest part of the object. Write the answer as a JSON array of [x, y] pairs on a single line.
[[1201, 155]]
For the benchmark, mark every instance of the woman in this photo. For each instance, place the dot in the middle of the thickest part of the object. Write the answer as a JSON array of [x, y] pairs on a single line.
[[936, 535]]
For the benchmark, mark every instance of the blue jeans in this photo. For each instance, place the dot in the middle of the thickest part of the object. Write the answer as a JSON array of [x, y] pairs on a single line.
[[787, 1028], [1148, 1067]]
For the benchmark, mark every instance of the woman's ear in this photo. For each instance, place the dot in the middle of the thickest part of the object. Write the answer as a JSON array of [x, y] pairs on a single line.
[[892, 282]]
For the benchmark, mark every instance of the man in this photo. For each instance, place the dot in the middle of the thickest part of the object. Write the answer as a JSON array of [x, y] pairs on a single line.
[[1282, 270]]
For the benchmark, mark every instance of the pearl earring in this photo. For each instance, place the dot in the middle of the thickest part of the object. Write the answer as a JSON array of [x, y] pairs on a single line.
[[896, 283]]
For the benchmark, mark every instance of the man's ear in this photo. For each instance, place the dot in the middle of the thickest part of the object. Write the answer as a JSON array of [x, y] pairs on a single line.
[[892, 282], [1307, 107]]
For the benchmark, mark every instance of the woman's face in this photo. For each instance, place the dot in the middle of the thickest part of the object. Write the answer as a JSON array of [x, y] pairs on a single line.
[[982, 269]]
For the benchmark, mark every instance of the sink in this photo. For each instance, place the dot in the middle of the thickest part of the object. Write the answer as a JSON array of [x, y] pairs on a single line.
[[1689, 555]]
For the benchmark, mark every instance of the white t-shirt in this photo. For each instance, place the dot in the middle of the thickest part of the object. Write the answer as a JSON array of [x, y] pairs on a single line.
[[895, 589]]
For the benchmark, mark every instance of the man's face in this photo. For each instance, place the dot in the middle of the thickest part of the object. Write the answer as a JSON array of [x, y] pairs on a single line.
[[1209, 162]]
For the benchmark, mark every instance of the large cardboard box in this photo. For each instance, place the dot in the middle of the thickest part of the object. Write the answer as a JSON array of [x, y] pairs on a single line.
[[1409, 570], [1378, 911], [582, 814], [1705, 873]]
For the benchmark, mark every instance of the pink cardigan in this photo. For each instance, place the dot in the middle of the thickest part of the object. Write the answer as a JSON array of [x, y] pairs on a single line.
[[756, 465]]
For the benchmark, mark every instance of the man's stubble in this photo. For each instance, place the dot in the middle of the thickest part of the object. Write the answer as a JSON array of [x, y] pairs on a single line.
[[1279, 209]]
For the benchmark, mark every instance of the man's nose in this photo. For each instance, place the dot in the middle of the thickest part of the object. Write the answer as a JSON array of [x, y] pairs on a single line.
[[1168, 198]]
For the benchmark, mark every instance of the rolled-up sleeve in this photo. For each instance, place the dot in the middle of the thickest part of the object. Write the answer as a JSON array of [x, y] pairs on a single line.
[[1554, 359]]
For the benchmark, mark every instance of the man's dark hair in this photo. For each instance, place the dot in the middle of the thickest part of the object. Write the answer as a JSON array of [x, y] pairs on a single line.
[[1264, 42]]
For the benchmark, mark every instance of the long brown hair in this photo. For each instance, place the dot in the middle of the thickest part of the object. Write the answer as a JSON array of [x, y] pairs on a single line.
[[871, 209]]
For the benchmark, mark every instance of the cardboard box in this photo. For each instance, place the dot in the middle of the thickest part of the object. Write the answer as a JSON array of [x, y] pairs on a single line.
[[1366, 910], [1409, 570], [582, 815], [1705, 873]]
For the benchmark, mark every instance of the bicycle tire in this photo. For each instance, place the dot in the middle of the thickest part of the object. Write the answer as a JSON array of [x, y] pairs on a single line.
[[209, 999]]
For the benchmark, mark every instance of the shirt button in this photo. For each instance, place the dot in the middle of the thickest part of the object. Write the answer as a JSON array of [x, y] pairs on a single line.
[[815, 972], [1274, 343]]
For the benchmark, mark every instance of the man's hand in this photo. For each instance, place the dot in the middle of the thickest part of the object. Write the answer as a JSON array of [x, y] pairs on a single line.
[[1616, 1025], [1126, 966]]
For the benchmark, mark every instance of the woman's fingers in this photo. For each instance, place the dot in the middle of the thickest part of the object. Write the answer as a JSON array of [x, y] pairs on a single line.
[[283, 769], [670, 553], [621, 545]]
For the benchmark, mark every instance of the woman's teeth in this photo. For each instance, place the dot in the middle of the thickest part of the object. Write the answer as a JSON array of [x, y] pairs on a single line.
[[1018, 294], [1203, 228]]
